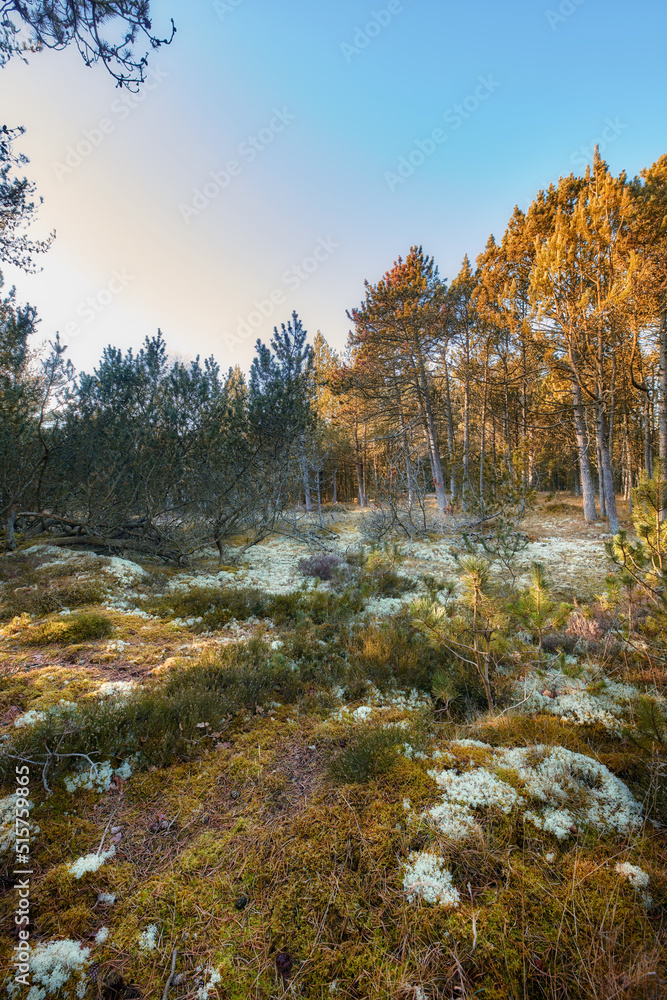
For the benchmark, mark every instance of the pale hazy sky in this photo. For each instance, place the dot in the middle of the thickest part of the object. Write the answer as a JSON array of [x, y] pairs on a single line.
[[339, 133]]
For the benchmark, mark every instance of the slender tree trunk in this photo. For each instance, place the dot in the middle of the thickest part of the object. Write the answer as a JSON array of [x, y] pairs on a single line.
[[601, 494], [335, 484], [585, 476], [628, 454], [361, 499], [482, 443], [525, 442], [662, 412], [306, 477], [364, 463], [450, 430], [432, 436], [466, 434], [318, 482], [507, 422], [607, 473], [648, 456], [10, 538], [406, 451]]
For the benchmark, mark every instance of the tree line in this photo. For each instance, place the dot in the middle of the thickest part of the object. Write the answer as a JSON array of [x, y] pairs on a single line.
[[543, 366]]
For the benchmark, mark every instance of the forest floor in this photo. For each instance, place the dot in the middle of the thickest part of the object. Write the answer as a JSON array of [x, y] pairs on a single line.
[[257, 772]]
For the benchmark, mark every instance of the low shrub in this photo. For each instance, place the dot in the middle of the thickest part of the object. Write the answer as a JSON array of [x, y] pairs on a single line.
[[44, 597], [392, 654], [321, 566], [369, 751], [83, 627], [169, 719], [216, 606]]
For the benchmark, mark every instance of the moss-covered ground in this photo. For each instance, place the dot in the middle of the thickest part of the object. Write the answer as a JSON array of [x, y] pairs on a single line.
[[267, 781]]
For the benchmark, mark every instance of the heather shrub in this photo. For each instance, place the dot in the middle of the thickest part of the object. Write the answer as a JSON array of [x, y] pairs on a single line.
[[370, 749], [171, 718], [216, 606], [390, 654], [44, 597], [321, 566], [82, 627]]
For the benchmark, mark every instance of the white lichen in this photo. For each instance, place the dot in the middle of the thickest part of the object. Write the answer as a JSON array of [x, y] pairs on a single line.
[[8, 810], [559, 791], [98, 777], [427, 877], [148, 938], [53, 966], [637, 878], [204, 990], [90, 862]]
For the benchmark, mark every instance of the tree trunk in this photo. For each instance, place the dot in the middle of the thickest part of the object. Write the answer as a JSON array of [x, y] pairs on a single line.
[[450, 430], [601, 493], [628, 455], [648, 463], [432, 436], [607, 473], [406, 451], [10, 538], [361, 499], [581, 435], [306, 477], [482, 444], [364, 463], [662, 417], [466, 435]]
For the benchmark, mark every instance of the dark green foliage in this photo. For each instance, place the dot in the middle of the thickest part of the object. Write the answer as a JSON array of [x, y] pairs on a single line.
[[236, 678], [219, 605], [391, 654], [319, 607], [380, 574], [16, 198], [83, 627], [280, 376], [371, 749], [216, 605], [165, 458], [45, 597], [643, 563], [535, 608]]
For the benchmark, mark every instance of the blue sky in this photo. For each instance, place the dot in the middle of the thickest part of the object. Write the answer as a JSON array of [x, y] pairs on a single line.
[[338, 134]]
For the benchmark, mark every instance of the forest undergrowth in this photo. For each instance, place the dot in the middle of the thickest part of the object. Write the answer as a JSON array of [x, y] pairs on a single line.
[[400, 770]]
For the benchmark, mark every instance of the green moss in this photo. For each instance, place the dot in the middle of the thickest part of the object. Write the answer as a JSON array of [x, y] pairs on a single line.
[[83, 627]]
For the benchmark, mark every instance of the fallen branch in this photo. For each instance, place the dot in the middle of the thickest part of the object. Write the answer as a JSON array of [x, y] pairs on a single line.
[[171, 975]]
